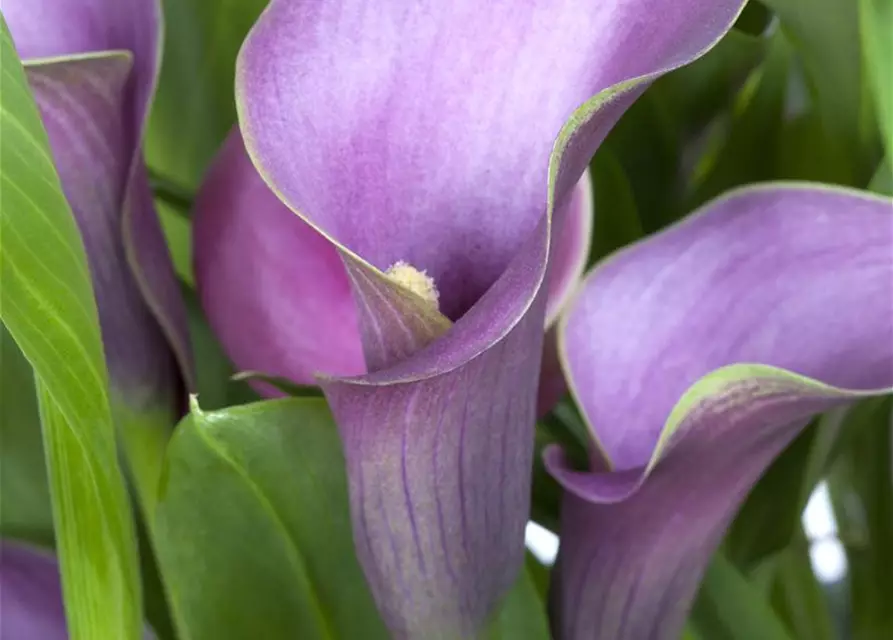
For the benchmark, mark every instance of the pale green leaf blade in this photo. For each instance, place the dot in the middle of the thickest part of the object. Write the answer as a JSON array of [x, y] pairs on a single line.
[[47, 305], [876, 29]]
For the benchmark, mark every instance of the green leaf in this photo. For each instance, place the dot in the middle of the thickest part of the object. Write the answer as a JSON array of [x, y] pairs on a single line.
[[254, 537], [539, 575], [522, 616], [216, 386], [49, 309], [194, 107], [876, 28], [861, 487], [729, 607], [178, 232], [647, 145], [882, 182], [826, 36], [616, 222], [253, 530], [742, 155], [798, 597], [696, 93], [25, 508], [655, 137]]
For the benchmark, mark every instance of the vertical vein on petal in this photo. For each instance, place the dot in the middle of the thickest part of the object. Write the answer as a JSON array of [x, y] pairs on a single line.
[[410, 509]]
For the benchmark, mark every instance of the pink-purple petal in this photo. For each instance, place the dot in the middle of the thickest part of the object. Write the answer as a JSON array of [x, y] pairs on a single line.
[[289, 310], [274, 290], [794, 280]]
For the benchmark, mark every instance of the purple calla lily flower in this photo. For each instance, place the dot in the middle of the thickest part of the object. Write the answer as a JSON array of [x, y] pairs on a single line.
[[307, 313], [416, 140], [92, 67], [795, 281], [31, 606]]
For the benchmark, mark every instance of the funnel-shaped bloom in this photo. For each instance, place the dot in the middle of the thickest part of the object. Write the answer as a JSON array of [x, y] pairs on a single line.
[[31, 605], [696, 356], [431, 149], [92, 67]]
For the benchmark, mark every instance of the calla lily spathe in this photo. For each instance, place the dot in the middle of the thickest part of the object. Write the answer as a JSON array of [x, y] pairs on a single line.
[[92, 67], [696, 356], [448, 136]]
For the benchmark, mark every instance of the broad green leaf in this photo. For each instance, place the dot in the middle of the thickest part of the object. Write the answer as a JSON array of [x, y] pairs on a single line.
[[729, 607], [861, 487], [48, 307], [876, 29], [798, 597], [194, 107], [254, 532], [25, 509]]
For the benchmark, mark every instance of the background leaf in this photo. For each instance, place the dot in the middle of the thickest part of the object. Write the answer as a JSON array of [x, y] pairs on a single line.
[[797, 595], [48, 308], [861, 487], [825, 34], [876, 29], [743, 155], [195, 106], [25, 508], [729, 607]]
